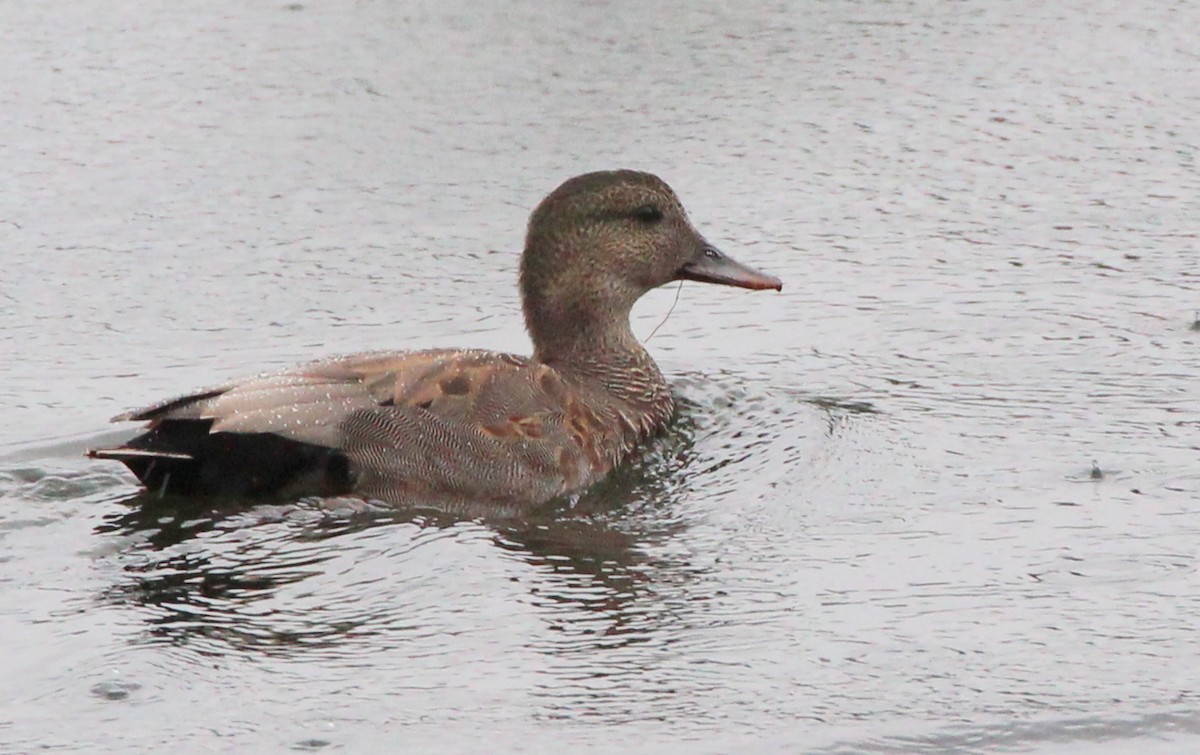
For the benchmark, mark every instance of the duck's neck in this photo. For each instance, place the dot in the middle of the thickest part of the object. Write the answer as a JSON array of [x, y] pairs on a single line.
[[599, 347]]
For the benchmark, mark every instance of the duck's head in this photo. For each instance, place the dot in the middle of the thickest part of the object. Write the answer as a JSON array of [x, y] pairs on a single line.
[[601, 240]]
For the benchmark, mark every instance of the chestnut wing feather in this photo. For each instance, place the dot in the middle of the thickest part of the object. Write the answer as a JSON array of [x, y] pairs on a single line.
[[488, 425]]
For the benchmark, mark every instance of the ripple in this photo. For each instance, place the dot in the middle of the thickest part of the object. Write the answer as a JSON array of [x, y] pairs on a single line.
[[46, 484], [1156, 732]]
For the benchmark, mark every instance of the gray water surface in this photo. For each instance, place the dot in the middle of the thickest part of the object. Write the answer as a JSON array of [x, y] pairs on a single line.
[[875, 525]]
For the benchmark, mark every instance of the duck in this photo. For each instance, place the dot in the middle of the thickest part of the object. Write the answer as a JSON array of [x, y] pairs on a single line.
[[444, 427]]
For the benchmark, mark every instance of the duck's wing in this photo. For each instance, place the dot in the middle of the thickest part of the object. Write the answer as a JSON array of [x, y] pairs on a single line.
[[308, 402], [411, 424]]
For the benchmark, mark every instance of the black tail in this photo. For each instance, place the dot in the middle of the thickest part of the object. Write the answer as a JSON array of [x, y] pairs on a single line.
[[181, 457]]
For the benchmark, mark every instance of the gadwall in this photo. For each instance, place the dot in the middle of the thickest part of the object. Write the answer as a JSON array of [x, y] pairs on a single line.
[[443, 427]]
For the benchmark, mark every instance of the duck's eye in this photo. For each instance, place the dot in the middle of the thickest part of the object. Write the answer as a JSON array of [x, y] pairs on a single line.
[[648, 214]]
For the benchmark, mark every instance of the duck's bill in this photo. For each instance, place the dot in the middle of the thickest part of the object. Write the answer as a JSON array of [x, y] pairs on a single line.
[[711, 266]]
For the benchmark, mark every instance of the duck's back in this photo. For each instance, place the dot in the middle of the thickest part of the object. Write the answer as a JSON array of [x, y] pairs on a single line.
[[415, 427]]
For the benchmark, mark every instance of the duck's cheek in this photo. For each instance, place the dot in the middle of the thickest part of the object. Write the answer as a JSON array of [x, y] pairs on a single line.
[[642, 270], [655, 276]]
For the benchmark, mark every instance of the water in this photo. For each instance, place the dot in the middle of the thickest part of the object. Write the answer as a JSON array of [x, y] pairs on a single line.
[[875, 526]]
